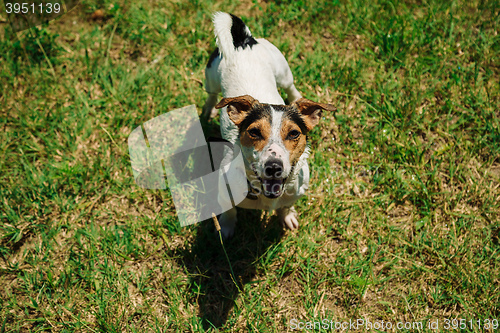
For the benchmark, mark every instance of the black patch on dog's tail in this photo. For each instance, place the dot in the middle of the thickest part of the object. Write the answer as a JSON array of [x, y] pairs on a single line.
[[241, 37]]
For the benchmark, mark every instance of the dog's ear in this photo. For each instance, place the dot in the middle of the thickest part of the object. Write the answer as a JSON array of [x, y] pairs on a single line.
[[237, 107], [311, 111]]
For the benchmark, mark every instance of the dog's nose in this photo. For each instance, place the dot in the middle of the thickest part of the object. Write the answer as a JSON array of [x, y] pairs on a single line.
[[273, 168]]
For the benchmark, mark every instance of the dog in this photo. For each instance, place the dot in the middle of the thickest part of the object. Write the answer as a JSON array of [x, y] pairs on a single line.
[[272, 136]]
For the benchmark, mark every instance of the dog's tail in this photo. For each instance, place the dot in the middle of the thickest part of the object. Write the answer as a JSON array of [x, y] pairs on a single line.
[[231, 33]]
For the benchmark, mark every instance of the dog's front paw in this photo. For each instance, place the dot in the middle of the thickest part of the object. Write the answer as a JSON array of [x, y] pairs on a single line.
[[213, 113], [288, 216], [227, 223]]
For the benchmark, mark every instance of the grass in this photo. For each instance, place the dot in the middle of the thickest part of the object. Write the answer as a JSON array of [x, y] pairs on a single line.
[[402, 220]]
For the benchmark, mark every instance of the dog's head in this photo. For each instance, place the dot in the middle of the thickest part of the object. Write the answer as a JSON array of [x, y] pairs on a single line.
[[273, 137]]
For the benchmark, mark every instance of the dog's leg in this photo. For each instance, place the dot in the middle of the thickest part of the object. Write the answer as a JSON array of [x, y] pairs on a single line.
[[212, 85], [209, 110], [288, 216], [292, 93], [283, 74], [228, 222], [285, 81]]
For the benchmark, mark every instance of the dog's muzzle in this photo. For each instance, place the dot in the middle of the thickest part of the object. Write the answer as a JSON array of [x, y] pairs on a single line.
[[272, 178]]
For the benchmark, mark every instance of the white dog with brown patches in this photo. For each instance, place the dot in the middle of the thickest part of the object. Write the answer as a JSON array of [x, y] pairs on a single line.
[[271, 135]]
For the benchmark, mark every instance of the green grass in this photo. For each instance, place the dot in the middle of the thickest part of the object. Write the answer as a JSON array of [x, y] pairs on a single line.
[[402, 220]]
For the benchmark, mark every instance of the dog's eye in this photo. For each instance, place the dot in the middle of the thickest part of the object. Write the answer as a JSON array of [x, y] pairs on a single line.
[[255, 133], [294, 134]]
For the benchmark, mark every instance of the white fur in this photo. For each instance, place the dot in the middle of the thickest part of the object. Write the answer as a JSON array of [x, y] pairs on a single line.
[[257, 71]]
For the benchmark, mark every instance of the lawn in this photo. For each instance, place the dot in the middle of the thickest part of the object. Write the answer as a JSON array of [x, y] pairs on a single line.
[[401, 224]]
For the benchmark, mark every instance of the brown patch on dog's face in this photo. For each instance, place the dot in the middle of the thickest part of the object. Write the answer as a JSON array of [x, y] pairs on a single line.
[[294, 139], [273, 134], [256, 134], [238, 108]]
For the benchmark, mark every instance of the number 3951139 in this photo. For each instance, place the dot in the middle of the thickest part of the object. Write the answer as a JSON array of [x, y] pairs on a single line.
[[31, 8]]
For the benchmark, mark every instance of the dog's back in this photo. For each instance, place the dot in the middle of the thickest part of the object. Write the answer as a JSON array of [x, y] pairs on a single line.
[[246, 65], [243, 65]]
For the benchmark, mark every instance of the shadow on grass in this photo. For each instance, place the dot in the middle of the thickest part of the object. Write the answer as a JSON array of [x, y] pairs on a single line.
[[211, 284], [210, 275]]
